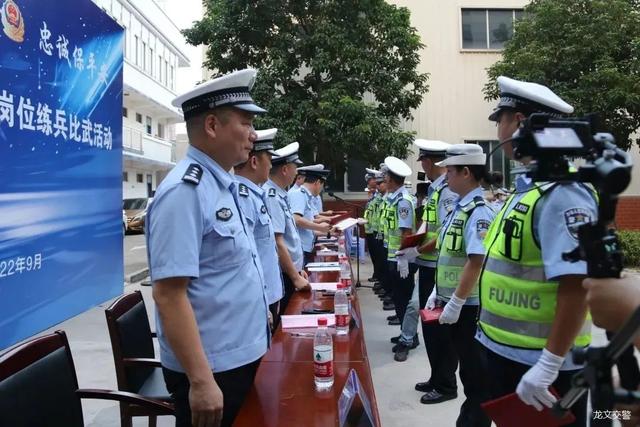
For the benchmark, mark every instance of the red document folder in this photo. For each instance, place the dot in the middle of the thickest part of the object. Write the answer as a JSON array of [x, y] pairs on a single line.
[[430, 316], [412, 240], [509, 411]]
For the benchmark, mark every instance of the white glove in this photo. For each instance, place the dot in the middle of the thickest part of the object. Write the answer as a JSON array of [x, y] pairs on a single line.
[[403, 267], [533, 388], [431, 301], [451, 312], [410, 254]]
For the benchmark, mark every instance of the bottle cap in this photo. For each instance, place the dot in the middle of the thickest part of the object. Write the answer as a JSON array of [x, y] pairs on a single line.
[[322, 321]]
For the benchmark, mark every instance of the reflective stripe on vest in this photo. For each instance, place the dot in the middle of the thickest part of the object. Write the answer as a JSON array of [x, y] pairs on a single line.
[[517, 302], [452, 253], [430, 217], [393, 234]]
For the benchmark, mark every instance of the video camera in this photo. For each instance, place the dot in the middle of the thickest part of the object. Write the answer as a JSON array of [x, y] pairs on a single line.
[[550, 144]]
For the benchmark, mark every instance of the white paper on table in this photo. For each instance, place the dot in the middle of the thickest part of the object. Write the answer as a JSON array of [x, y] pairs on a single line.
[[327, 240], [306, 320], [346, 223], [327, 253], [323, 269], [324, 286], [323, 264]]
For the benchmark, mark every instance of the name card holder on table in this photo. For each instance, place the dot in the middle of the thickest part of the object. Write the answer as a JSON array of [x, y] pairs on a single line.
[[354, 406]]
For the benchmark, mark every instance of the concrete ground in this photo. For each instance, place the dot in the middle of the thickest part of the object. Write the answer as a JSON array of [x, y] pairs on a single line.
[[398, 402]]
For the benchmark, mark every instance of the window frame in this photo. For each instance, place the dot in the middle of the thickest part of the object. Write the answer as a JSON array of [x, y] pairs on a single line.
[[486, 10]]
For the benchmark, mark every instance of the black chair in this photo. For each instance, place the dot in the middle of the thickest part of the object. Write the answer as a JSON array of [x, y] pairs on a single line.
[[39, 387], [137, 369]]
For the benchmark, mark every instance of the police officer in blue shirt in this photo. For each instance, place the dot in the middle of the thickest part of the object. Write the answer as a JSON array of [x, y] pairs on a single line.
[[533, 314], [283, 171], [250, 176], [208, 284], [460, 257], [305, 210]]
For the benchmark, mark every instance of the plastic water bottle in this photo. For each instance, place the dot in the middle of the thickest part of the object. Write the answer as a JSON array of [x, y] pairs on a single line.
[[342, 247], [341, 310], [345, 268], [323, 356]]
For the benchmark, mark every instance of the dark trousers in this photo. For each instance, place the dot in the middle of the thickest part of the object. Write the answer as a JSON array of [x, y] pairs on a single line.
[[234, 384], [402, 288], [461, 338], [308, 257], [441, 352], [288, 291], [627, 367], [274, 309], [511, 372], [384, 269], [373, 253]]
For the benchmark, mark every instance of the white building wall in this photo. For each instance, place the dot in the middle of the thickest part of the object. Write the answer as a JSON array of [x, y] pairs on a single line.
[[454, 109], [154, 49]]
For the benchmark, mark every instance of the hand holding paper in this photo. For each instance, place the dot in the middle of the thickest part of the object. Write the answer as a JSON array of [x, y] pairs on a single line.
[[410, 254], [533, 388]]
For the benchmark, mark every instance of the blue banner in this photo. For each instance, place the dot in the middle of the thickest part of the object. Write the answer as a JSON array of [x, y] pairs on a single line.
[[60, 162]]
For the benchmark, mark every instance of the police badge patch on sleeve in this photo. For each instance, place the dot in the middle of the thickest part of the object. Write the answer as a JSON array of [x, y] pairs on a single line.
[[482, 226], [574, 218], [403, 212], [224, 214]]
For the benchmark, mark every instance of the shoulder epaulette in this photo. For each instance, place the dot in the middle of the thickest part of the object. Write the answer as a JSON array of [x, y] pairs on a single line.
[[243, 190], [193, 174]]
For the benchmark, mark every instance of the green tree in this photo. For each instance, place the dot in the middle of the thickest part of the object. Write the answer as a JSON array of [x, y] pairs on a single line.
[[336, 75], [587, 51]]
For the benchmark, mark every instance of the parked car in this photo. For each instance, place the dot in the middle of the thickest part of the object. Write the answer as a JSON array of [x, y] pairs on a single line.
[[136, 210]]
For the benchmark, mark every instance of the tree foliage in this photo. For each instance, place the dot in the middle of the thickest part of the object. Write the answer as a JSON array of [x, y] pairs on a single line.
[[587, 51], [336, 75]]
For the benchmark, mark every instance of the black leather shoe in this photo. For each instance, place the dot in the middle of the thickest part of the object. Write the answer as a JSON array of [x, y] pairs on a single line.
[[424, 387], [394, 340], [435, 396], [377, 286], [402, 352], [413, 345], [387, 306], [387, 299], [394, 322], [393, 316], [372, 279]]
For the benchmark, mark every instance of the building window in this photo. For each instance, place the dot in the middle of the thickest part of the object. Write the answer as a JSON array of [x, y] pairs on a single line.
[[171, 79], [488, 28], [151, 67], [149, 124], [144, 56], [125, 112], [497, 162], [160, 68], [139, 178], [166, 71], [160, 130], [139, 118], [125, 176], [137, 59]]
